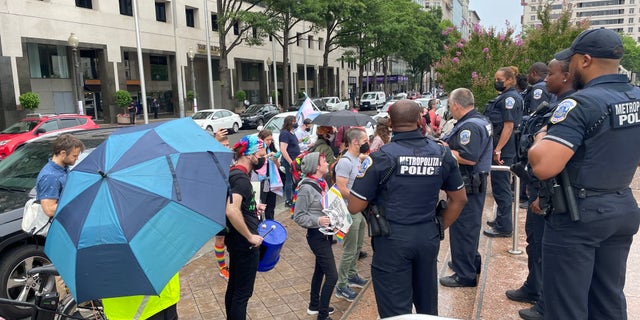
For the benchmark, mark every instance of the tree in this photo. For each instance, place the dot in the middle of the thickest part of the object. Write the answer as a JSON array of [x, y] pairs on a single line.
[[285, 16], [29, 100], [235, 18], [123, 99], [631, 58]]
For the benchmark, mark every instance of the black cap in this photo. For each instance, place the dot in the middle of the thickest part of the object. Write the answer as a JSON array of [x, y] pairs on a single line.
[[307, 121], [598, 43]]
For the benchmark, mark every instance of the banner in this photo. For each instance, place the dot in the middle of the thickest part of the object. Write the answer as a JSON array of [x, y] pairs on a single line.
[[336, 210]]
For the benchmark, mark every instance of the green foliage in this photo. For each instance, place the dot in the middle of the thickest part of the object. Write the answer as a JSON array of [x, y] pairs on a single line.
[[191, 95], [473, 63], [241, 95], [29, 100], [631, 58], [123, 98]]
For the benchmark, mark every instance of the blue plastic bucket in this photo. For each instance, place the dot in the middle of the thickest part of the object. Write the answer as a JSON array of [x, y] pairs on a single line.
[[271, 245]]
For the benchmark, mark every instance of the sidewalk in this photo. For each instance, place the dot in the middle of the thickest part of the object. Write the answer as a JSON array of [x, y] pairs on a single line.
[[283, 293]]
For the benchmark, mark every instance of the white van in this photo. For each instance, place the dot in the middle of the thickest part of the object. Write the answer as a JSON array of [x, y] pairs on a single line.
[[372, 100]]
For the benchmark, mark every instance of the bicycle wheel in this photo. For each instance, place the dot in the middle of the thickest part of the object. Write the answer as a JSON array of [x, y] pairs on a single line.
[[90, 310]]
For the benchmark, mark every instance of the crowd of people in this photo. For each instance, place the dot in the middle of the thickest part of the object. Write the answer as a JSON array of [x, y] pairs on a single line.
[[561, 126]]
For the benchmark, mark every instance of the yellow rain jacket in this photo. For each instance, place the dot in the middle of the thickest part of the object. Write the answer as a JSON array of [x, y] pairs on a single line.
[[142, 307]]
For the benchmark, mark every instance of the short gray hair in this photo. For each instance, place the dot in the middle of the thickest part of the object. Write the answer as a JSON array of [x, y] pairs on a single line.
[[463, 97]]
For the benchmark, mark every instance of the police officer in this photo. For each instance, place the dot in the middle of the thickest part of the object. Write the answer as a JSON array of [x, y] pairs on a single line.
[[593, 135], [559, 83], [537, 93], [504, 112], [404, 180], [471, 144]]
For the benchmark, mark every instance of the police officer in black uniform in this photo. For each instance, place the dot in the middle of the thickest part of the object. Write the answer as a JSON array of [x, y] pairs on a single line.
[[594, 135], [505, 113], [471, 144], [560, 84], [537, 93], [404, 181]]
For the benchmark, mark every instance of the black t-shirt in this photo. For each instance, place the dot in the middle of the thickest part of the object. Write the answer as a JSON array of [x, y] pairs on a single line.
[[241, 184]]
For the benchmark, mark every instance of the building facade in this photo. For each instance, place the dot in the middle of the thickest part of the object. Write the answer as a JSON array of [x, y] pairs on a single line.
[[37, 54], [618, 15]]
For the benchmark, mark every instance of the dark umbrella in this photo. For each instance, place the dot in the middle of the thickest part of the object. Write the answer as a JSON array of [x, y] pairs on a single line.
[[138, 208], [343, 118]]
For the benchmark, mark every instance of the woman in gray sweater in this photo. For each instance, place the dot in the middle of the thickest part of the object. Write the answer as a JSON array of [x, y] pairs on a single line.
[[308, 214]]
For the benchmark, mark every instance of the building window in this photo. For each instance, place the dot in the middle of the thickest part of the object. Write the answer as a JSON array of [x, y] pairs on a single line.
[[309, 41], [298, 36], [320, 43], [236, 27], [158, 68], [254, 32], [630, 29], [214, 22], [191, 17], [84, 4], [89, 64], [251, 71], [47, 61], [126, 8], [630, 20], [161, 11], [533, 18], [632, 10]]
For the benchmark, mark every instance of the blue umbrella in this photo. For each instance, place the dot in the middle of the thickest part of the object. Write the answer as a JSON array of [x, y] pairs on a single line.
[[137, 208]]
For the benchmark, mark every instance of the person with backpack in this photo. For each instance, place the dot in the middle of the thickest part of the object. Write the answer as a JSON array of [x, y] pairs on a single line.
[[290, 149], [308, 213], [323, 144], [346, 170]]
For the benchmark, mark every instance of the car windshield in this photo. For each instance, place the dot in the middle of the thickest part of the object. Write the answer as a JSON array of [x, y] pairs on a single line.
[[254, 108], [21, 127], [327, 100], [200, 115], [369, 96], [275, 124]]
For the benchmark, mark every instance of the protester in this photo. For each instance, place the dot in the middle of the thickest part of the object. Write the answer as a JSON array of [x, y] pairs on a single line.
[[53, 176], [346, 170], [218, 246], [155, 106], [585, 250], [242, 239], [404, 265], [505, 113], [472, 145], [290, 149], [267, 196], [304, 136], [308, 214], [382, 135], [132, 113]]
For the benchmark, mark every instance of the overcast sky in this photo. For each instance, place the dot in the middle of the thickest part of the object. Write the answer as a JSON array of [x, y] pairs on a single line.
[[496, 12]]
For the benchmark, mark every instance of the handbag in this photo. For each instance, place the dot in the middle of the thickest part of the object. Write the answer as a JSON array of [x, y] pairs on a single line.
[[34, 220]]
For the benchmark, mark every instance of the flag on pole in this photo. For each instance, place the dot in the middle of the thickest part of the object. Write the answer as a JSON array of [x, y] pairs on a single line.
[[305, 110]]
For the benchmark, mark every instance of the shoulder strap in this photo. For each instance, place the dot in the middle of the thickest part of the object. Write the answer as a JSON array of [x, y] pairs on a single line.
[[314, 185]]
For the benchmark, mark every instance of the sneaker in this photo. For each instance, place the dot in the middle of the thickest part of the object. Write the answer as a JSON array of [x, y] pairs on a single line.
[[356, 282], [346, 293], [224, 273], [314, 312], [522, 295], [530, 314]]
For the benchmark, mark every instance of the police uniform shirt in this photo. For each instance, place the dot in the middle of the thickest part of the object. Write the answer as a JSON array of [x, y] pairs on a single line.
[[408, 193], [537, 95], [506, 108], [470, 138], [607, 158]]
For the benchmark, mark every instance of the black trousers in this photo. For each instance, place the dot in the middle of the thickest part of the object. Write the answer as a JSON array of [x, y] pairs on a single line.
[[501, 187], [464, 236], [243, 265], [170, 313], [320, 294], [268, 198]]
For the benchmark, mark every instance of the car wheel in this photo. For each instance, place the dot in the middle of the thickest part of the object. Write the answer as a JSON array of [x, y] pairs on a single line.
[[210, 129], [260, 123], [14, 282], [235, 128]]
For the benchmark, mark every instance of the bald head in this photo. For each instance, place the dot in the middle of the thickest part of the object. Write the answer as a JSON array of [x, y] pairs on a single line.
[[404, 115]]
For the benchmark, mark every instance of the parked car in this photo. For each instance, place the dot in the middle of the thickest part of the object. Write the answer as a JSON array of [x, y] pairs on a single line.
[[214, 119], [319, 104], [335, 104], [258, 114], [35, 125], [19, 252], [384, 111], [372, 100], [413, 95]]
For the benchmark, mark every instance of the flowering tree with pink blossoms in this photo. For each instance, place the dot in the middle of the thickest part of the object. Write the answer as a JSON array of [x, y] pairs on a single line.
[[472, 63]]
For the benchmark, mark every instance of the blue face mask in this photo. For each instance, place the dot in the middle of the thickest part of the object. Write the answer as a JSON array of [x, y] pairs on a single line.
[[295, 126]]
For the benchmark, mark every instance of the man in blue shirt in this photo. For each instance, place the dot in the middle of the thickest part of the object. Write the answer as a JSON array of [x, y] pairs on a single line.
[[53, 175]]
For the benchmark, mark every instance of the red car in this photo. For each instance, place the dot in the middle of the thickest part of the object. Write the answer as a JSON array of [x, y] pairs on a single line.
[[36, 125]]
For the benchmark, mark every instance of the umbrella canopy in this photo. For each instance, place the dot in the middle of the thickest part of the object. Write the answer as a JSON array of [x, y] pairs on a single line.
[[343, 118], [137, 208]]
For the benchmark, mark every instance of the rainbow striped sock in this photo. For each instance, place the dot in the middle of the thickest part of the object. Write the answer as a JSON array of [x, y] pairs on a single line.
[[219, 252]]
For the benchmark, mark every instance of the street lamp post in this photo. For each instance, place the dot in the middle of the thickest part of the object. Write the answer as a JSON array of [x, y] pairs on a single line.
[[275, 71], [267, 71], [192, 55], [73, 42]]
